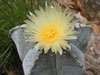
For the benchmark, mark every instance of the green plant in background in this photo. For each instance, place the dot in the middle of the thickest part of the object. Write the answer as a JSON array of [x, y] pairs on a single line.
[[13, 13]]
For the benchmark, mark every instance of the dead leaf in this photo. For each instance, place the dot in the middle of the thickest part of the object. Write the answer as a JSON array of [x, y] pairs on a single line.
[[82, 19], [96, 28], [27, 1], [10, 72], [75, 5], [95, 25]]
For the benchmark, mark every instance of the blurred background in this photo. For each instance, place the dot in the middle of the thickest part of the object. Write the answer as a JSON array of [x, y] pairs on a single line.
[[14, 12]]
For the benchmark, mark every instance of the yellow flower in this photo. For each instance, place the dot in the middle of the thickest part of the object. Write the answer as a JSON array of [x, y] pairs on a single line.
[[51, 29]]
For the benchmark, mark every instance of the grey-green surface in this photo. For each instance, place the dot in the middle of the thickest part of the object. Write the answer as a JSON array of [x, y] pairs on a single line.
[[71, 62]]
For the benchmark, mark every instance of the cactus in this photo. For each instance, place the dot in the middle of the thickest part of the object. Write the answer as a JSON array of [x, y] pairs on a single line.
[[71, 62]]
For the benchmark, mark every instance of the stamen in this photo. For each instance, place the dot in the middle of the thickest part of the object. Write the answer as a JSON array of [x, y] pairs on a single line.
[[51, 33]]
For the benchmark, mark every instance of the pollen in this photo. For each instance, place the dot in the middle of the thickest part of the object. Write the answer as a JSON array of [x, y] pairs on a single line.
[[50, 34]]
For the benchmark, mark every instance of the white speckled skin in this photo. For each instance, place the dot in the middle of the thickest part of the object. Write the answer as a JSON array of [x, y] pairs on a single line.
[[37, 63]]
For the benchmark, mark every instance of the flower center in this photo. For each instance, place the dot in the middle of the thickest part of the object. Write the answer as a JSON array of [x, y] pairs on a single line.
[[50, 34]]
